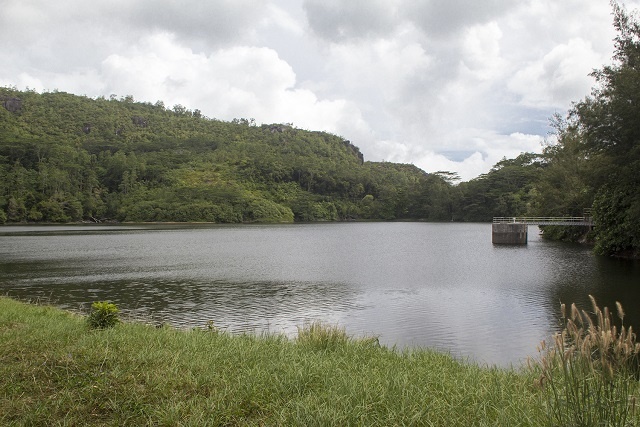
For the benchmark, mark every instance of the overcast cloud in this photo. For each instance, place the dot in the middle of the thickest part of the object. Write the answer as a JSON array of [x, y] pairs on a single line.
[[443, 84]]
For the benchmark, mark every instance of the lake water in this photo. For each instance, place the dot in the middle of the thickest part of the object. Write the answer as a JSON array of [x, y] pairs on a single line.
[[442, 286]]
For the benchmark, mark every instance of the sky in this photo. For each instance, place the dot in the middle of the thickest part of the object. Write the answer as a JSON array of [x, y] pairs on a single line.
[[451, 85]]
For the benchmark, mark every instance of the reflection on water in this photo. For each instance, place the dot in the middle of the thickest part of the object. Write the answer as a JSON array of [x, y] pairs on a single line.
[[435, 285]]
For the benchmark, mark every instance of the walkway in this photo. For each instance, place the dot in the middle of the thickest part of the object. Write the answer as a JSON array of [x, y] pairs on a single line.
[[585, 221]]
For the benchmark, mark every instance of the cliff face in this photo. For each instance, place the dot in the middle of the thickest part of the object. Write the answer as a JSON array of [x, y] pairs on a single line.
[[10, 103]]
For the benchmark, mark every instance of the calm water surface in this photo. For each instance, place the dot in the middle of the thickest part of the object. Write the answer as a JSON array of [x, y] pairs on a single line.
[[442, 286]]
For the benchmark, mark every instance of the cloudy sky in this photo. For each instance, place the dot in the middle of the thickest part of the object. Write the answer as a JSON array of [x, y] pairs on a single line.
[[443, 84]]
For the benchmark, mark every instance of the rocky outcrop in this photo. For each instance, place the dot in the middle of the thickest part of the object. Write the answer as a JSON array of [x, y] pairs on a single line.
[[355, 150], [140, 121], [11, 103]]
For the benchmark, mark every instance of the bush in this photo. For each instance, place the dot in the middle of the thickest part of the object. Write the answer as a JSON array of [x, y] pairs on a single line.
[[589, 374], [103, 315], [263, 210]]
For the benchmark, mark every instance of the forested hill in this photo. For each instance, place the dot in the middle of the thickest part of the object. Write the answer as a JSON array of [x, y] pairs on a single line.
[[71, 158]]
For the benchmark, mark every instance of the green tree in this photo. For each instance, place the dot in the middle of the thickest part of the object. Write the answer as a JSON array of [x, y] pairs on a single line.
[[606, 130], [506, 190], [16, 211], [565, 187]]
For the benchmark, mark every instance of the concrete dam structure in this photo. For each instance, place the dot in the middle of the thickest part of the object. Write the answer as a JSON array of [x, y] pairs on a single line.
[[509, 234]]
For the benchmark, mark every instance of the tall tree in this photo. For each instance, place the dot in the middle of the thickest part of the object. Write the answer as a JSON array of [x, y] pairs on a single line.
[[606, 127]]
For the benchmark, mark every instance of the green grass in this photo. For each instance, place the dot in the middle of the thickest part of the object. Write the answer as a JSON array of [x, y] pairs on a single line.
[[55, 370]]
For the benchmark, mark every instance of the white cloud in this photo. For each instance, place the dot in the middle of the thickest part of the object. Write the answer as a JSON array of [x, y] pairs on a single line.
[[481, 53], [338, 20], [561, 76], [475, 151], [445, 18], [278, 17], [241, 81]]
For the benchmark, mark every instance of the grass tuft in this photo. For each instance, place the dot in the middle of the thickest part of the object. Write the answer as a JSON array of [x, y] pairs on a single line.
[[326, 337], [320, 336], [589, 374]]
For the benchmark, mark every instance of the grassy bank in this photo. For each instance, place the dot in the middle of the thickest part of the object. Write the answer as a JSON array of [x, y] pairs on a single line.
[[54, 370]]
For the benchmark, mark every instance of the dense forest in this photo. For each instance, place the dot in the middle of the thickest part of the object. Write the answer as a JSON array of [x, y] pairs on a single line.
[[70, 158], [67, 158]]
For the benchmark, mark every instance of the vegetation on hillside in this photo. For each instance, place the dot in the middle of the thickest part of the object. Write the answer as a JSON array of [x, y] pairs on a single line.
[[508, 189], [70, 158]]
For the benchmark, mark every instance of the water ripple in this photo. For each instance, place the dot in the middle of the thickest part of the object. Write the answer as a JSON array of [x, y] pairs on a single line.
[[442, 286]]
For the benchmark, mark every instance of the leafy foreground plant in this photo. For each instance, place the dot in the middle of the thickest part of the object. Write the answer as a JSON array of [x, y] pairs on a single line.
[[103, 315], [589, 374]]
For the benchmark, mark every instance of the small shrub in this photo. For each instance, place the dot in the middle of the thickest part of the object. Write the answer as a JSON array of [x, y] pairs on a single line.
[[211, 327], [103, 315], [589, 374]]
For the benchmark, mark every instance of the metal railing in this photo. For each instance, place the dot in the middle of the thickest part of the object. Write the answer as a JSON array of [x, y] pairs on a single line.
[[544, 220]]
